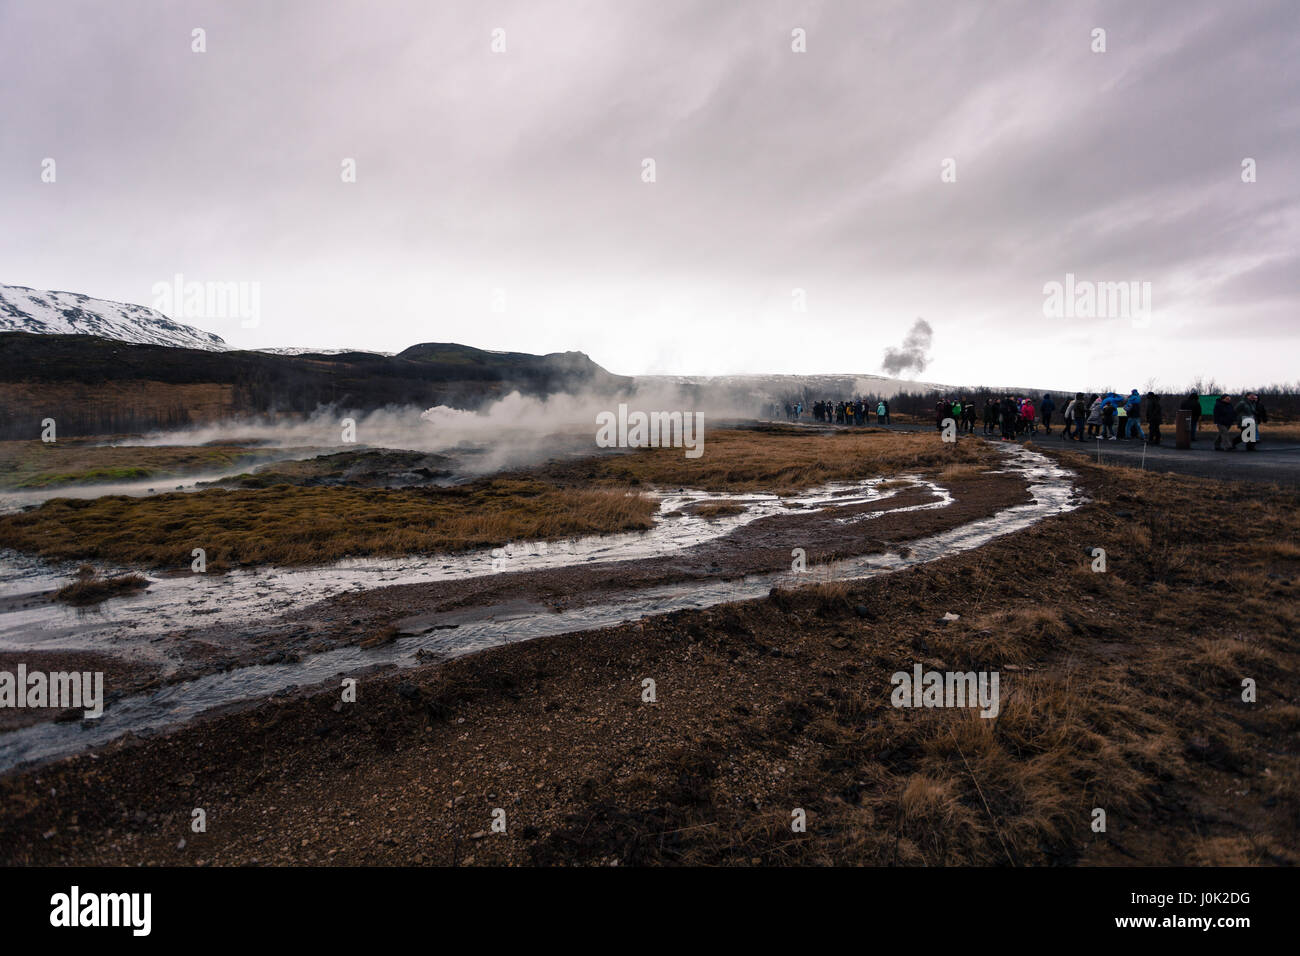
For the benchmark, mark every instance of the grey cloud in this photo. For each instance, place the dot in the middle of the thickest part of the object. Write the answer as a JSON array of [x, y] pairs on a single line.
[[818, 171]]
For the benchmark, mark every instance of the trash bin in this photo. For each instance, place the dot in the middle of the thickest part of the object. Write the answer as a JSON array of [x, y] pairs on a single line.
[[1183, 429]]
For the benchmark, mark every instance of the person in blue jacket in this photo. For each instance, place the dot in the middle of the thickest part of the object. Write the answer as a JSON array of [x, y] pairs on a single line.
[[1134, 405], [1045, 411]]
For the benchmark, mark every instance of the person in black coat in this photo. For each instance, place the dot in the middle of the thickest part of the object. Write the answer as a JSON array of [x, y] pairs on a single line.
[[1192, 403], [1009, 414], [1155, 416], [1225, 416]]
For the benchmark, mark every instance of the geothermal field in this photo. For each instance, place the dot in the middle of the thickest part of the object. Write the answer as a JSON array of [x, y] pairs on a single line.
[[515, 462]]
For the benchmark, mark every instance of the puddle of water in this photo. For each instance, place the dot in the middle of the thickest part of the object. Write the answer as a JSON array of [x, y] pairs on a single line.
[[1049, 484]]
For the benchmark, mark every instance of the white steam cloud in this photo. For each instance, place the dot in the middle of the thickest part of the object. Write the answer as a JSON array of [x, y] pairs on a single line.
[[514, 431]]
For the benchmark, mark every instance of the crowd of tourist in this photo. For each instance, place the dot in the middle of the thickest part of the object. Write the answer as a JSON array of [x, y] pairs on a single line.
[[1083, 417]]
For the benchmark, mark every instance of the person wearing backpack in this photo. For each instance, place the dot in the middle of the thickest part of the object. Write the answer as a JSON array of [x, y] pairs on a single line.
[[1246, 422], [1133, 408], [1093, 419], [1079, 416]]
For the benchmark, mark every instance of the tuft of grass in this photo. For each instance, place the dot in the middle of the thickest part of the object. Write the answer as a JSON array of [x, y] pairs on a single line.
[[88, 588]]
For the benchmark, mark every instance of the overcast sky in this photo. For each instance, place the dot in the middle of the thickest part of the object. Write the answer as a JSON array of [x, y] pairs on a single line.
[[522, 171]]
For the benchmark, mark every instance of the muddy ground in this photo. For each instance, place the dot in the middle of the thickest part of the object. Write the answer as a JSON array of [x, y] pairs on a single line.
[[1122, 691], [379, 615]]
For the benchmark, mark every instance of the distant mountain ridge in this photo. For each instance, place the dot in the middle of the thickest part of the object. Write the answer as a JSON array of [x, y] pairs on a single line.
[[97, 386], [71, 313]]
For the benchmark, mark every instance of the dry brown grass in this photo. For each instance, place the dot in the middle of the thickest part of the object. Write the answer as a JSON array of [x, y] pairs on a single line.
[[291, 525], [956, 472], [788, 459], [89, 587], [1282, 432]]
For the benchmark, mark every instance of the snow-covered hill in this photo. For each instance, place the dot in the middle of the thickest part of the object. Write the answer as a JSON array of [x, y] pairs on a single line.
[[70, 313]]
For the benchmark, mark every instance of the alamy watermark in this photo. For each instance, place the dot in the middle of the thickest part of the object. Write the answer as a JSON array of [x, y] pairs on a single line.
[[923, 688], [62, 689], [75, 908], [1084, 299], [179, 299], [651, 430]]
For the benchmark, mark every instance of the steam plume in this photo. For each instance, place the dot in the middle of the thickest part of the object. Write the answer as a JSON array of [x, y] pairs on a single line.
[[915, 351]]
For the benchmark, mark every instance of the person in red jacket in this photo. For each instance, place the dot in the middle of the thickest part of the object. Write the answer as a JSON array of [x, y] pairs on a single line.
[[1027, 416]]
